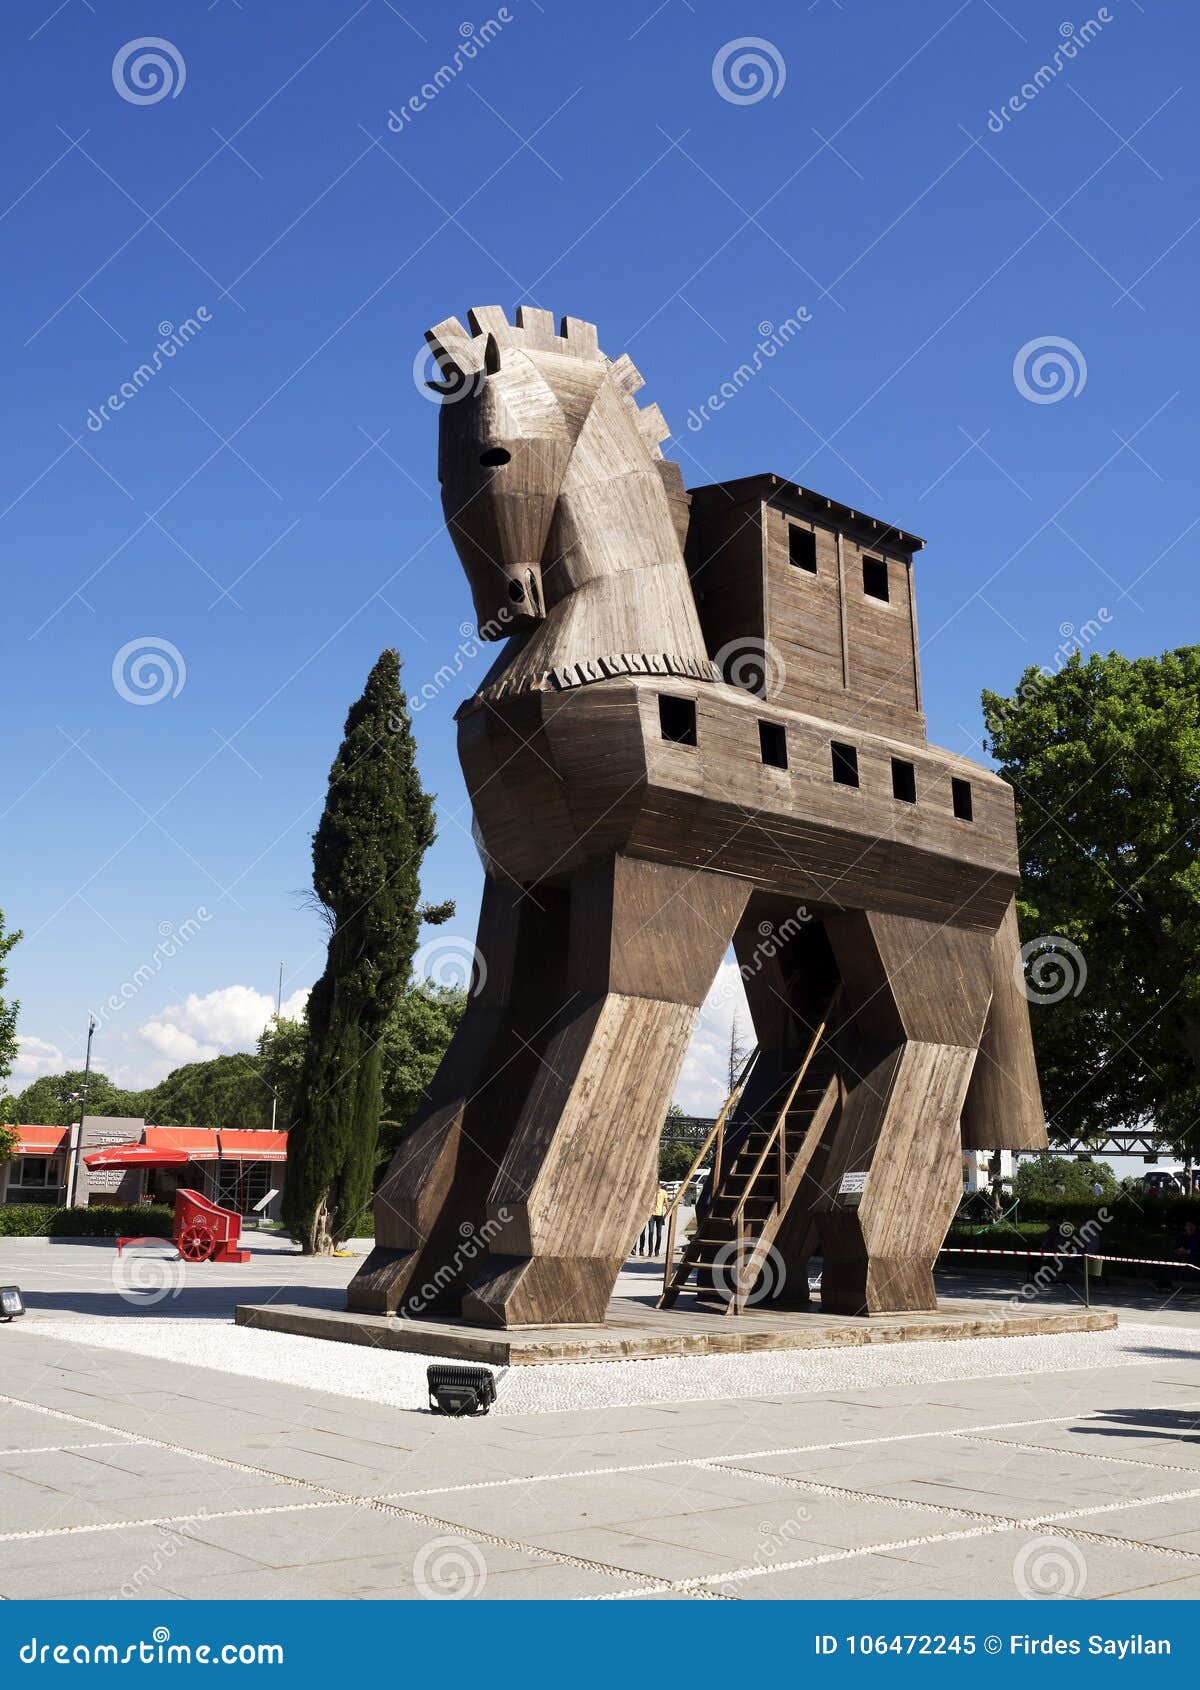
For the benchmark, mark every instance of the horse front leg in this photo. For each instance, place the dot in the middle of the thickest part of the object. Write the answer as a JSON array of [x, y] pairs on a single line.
[[430, 1207], [578, 1177]]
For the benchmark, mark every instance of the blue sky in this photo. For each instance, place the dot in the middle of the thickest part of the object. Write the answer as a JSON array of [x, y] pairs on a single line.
[[265, 507]]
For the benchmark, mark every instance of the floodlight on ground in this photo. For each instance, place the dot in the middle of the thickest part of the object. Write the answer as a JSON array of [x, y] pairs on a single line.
[[460, 1390], [11, 1302]]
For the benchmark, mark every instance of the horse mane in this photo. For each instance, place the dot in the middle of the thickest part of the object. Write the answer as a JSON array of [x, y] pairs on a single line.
[[462, 356]]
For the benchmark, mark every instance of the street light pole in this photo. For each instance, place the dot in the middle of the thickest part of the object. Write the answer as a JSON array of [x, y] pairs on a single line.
[[87, 1071], [278, 1007]]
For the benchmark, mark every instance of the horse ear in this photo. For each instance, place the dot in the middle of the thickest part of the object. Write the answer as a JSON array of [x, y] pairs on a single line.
[[491, 355]]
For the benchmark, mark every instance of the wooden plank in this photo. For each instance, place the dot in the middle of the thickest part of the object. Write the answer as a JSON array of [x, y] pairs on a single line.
[[633, 1333]]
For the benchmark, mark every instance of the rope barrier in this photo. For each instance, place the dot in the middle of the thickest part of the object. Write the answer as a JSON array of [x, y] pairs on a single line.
[[1060, 1255]]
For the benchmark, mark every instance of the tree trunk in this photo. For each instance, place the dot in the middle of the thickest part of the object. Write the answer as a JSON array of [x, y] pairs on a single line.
[[320, 1239]]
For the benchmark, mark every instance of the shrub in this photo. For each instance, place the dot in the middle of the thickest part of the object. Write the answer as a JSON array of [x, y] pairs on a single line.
[[1136, 1226], [39, 1220]]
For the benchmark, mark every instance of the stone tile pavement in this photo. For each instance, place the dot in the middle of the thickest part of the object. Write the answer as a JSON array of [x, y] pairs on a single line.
[[134, 1476]]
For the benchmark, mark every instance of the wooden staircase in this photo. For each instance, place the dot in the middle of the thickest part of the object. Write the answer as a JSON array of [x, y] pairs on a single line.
[[754, 1180]]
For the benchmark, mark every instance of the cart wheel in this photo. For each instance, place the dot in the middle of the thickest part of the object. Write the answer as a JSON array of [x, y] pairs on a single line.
[[196, 1242]]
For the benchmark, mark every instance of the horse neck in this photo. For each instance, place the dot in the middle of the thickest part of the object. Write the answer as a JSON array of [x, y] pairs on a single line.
[[616, 588]]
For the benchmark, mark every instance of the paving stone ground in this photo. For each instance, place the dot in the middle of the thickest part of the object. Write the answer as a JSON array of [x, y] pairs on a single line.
[[147, 1475]]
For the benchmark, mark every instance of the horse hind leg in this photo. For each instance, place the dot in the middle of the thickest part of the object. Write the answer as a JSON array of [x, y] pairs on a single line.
[[916, 996]]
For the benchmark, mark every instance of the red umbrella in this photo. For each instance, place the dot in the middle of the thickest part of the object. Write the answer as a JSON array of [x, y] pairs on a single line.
[[137, 1156]]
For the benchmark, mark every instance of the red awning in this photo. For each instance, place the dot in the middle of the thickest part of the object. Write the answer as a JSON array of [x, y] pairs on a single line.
[[200, 1143], [43, 1141], [136, 1156], [253, 1146]]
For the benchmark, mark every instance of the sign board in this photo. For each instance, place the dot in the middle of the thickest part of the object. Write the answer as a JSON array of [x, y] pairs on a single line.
[[263, 1202], [852, 1188]]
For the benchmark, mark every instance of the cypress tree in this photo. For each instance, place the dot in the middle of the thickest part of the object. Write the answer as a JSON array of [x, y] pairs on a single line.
[[367, 851]]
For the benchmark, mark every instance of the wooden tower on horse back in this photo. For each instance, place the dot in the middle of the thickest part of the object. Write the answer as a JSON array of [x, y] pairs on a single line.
[[704, 727]]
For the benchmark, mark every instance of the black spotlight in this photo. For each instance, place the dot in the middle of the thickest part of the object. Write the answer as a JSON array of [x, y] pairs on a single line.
[[461, 1390], [12, 1304]]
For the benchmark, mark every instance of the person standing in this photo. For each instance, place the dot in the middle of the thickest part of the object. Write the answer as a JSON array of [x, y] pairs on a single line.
[[654, 1226]]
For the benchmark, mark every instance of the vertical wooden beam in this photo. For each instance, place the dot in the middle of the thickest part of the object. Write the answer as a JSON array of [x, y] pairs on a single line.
[[912, 625], [841, 557]]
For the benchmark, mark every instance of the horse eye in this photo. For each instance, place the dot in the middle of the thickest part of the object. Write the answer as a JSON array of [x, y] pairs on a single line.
[[494, 457]]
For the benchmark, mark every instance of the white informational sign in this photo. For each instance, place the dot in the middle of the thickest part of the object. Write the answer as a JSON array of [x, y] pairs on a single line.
[[264, 1201], [852, 1187]]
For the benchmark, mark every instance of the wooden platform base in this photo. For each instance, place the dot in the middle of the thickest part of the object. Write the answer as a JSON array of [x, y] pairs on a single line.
[[636, 1331]]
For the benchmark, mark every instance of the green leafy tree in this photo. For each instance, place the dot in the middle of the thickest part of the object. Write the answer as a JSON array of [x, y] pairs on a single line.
[[367, 851], [225, 1091], [54, 1099], [414, 1041], [1104, 757], [9, 1142], [8, 1010], [1055, 1177], [674, 1161], [281, 1048]]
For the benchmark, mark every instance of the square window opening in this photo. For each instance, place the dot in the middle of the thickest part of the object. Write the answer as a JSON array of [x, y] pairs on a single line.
[[904, 781], [772, 744], [802, 548], [677, 719], [845, 764], [964, 809], [875, 578]]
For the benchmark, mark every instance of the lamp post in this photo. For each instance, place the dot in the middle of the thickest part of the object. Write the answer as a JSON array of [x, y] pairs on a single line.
[[87, 1071], [278, 1007]]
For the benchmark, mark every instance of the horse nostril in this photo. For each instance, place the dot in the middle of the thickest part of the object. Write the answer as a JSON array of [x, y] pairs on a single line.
[[516, 592], [494, 457]]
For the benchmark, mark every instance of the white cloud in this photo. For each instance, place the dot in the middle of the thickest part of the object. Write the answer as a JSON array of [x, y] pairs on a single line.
[[35, 1057], [217, 1024], [704, 1079]]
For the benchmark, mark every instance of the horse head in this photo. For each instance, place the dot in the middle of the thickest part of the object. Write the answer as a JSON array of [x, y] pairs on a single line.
[[538, 428]]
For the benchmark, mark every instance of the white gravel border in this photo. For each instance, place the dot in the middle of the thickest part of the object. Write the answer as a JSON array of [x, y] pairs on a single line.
[[398, 1380]]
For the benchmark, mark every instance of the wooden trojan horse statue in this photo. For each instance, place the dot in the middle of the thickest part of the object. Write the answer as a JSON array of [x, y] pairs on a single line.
[[704, 726]]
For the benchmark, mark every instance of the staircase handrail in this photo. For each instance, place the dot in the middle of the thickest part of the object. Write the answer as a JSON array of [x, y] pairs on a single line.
[[717, 1136], [778, 1133]]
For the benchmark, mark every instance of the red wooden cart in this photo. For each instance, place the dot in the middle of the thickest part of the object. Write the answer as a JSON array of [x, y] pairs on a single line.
[[203, 1231]]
